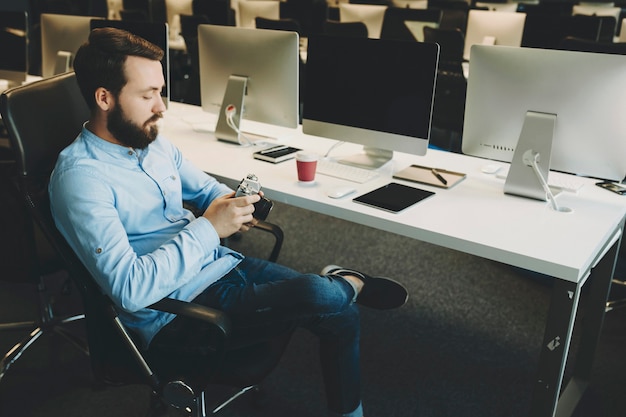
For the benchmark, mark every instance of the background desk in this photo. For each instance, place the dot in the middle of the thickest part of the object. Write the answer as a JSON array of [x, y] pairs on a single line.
[[474, 217]]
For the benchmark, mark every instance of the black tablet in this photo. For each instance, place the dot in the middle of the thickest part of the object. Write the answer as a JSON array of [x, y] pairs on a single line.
[[393, 197]]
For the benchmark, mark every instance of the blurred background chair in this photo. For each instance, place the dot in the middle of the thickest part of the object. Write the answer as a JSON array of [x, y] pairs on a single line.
[[335, 28], [179, 374], [286, 24], [571, 43], [407, 24], [218, 12], [310, 14], [189, 31], [454, 13]]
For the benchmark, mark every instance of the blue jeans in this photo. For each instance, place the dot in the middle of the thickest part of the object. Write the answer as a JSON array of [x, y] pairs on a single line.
[[266, 299]]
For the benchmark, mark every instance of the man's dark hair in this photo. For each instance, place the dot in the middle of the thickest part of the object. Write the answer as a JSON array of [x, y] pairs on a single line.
[[100, 61]]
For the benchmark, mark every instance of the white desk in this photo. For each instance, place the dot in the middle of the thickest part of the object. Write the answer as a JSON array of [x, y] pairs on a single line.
[[473, 217]]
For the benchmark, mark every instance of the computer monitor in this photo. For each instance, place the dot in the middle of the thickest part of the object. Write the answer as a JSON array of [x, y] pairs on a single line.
[[61, 36], [249, 10], [493, 28], [374, 92], [157, 33], [579, 96], [251, 69], [370, 14], [13, 47]]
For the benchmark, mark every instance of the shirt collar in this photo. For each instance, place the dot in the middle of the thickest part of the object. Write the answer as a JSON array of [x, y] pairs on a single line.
[[111, 148]]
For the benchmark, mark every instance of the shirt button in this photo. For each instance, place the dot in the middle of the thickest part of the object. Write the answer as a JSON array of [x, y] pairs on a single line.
[[130, 153], [99, 250], [173, 177]]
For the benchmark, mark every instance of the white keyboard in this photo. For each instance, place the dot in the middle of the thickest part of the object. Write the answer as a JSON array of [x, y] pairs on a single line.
[[346, 172], [570, 184]]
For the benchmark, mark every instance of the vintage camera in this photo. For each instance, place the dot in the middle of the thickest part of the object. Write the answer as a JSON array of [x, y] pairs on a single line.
[[250, 185]]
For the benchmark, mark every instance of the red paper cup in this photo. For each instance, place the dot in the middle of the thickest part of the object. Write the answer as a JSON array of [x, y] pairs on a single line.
[[306, 163]]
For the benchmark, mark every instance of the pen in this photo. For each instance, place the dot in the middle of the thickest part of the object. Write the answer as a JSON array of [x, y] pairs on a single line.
[[439, 177], [273, 149]]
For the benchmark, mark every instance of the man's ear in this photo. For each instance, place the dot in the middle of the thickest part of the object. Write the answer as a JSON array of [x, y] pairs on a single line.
[[104, 99]]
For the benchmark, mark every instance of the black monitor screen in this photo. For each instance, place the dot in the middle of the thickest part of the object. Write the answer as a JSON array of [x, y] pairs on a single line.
[[374, 84]]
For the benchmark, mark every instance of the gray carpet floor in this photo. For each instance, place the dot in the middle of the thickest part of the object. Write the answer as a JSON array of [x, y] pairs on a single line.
[[466, 344]]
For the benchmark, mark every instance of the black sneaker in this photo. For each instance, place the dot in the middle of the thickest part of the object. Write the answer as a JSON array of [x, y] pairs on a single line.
[[378, 292]]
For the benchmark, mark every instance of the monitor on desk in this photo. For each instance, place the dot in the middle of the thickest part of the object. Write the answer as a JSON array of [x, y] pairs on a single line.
[[494, 28], [249, 73], [157, 33], [577, 97], [374, 92], [61, 36], [13, 47]]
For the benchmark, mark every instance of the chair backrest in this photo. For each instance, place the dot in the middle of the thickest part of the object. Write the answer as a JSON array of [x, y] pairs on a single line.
[[277, 24], [571, 43], [50, 114], [354, 29], [402, 23], [310, 14], [217, 11], [189, 28], [583, 26]]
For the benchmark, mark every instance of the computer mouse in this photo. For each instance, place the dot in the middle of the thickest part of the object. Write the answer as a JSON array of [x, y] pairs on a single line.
[[340, 191], [490, 168]]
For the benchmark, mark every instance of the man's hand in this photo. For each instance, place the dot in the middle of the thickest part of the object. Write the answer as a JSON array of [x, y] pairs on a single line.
[[229, 214]]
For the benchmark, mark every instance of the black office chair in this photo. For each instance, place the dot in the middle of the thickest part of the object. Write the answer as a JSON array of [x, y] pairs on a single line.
[[547, 30], [454, 13], [189, 31], [584, 26], [286, 24], [310, 14], [218, 12], [132, 15], [30, 259], [394, 26], [571, 43], [141, 9], [608, 28], [353, 29], [176, 380]]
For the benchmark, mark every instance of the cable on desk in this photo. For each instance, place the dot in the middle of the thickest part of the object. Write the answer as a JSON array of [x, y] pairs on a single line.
[[230, 112], [339, 143]]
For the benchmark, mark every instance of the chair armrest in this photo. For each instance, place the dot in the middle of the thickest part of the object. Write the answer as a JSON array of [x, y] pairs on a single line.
[[196, 311], [278, 235]]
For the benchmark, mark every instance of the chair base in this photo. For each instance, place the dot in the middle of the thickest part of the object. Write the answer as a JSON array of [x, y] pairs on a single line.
[[180, 396], [47, 327]]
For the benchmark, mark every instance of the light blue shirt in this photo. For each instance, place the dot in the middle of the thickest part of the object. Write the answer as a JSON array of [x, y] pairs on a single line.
[[121, 210]]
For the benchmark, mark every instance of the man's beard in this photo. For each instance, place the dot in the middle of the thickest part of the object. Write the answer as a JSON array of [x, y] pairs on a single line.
[[128, 133]]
